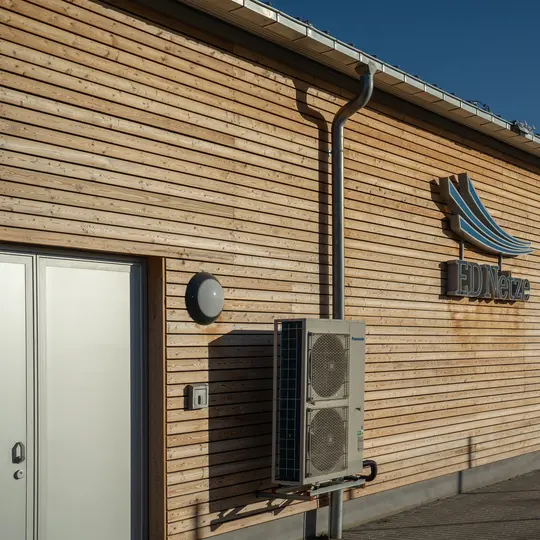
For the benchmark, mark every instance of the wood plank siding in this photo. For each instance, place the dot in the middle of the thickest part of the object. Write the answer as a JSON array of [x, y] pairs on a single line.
[[125, 131]]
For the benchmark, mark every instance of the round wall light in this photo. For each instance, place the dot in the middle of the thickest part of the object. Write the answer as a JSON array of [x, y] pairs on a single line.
[[204, 298]]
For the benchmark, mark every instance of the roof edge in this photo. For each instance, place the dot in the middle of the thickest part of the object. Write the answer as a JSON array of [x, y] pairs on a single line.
[[278, 27]]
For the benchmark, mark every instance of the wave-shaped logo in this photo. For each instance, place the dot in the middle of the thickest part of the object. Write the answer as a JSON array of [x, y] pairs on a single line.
[[471, 221]]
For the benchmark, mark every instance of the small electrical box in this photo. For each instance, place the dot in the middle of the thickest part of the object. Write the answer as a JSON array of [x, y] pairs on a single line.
[[198, 396]]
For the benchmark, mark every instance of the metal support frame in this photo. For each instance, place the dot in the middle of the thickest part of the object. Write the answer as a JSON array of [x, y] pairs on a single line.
[[310, 493], [462, 255]]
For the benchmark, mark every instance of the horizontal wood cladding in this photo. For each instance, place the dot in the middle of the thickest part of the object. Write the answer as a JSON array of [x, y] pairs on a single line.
[[124, 131]]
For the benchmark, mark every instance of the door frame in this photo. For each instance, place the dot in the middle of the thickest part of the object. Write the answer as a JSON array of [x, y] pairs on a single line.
[[30, 395], [139, 383]]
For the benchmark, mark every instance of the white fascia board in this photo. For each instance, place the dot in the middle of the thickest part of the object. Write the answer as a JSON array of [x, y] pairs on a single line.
[[316, 41], [344, 54], [231, 5], [410, 85], [256, 13], [287, 27], [389, 75], [269, 23]]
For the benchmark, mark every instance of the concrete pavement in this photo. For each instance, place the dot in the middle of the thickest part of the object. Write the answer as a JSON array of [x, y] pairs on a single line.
[[509, 510]]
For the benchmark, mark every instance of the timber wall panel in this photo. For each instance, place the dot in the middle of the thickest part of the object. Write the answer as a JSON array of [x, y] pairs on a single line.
[[125, 131]]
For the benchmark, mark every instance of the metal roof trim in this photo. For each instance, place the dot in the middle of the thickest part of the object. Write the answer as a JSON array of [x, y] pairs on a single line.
[[301, 37]]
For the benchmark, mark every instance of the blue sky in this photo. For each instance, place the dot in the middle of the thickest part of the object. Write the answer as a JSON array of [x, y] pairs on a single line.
[[484, 50]]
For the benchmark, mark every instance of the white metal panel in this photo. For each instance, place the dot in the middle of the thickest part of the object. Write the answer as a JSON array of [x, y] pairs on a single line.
[[86, 354], [16, 357]]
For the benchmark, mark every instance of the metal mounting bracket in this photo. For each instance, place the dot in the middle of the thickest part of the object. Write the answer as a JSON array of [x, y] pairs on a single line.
[[309, 493]]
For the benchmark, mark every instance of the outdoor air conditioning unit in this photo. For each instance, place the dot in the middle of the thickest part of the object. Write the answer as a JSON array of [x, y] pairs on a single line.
[[318, 417]]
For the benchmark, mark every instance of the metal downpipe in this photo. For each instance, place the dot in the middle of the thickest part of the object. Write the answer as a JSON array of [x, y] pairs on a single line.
[[338, 228], [335, 514]]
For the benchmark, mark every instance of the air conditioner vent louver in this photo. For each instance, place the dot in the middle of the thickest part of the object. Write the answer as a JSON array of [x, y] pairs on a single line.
[[327, 430], [290, 404], [329, 366]]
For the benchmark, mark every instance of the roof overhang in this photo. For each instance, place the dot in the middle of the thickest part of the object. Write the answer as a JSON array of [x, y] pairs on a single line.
[[273, 25]]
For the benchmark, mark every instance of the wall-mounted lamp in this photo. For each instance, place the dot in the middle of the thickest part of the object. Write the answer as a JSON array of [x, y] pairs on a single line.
[[204, 298]]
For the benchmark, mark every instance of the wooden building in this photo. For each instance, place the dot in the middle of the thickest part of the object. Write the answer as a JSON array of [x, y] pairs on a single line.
[[169, 139]]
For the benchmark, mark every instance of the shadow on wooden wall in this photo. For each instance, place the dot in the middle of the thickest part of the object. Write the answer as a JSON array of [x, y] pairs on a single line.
[[240, 425], [316, 117]]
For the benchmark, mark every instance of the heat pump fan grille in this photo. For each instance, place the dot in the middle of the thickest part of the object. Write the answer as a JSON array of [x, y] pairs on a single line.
[[327, 432], [329, 366]]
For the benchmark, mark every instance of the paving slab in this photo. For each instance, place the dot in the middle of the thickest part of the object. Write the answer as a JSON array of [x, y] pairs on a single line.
[[508, 510]]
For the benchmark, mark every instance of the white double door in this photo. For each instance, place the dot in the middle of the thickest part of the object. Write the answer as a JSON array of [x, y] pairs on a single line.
[[71, 416]]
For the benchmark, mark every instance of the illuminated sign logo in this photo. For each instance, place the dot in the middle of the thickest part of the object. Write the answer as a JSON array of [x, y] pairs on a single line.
[[471, 221]]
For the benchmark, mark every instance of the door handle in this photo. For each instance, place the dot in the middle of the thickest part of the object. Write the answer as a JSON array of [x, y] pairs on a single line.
[[18, 453]]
